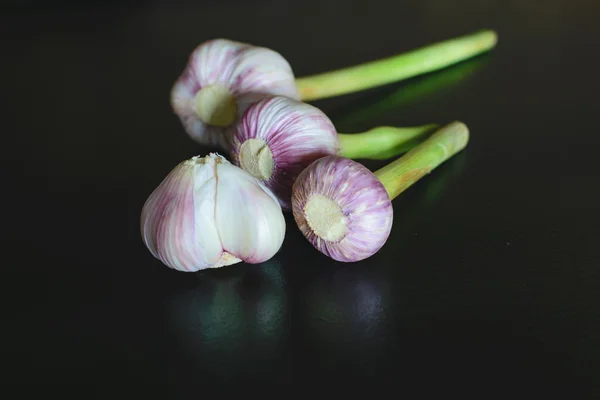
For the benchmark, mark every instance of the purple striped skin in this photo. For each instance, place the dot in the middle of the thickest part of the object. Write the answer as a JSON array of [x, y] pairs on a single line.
[[249, 72], [297, 134], [167, 229], [208, 213], [362, 198]]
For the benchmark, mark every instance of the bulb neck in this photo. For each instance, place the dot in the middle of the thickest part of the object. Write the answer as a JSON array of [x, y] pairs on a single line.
[[399, 175], [383, 142], [215, 105], [256, 158]]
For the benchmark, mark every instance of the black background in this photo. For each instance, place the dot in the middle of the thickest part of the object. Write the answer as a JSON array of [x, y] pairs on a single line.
[[490, 275]]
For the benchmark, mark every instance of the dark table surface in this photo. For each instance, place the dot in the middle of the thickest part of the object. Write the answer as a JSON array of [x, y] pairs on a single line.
[[491, 272]]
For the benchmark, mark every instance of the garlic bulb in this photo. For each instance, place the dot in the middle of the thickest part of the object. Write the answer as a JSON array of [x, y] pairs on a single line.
[[345, 210], [277, 137], [342, 209], [208, 213], [221, 79]]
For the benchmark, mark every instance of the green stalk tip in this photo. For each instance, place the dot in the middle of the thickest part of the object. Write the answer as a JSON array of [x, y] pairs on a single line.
[[424, 158]]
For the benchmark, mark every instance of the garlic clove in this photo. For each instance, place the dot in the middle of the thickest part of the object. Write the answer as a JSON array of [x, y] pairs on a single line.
[[262, 70], [177, 219], [342, 209], [248, 216], [221, 79], [277, 137]]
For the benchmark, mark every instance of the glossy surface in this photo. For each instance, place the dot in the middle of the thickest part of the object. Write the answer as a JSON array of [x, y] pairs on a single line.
[[491, 272]]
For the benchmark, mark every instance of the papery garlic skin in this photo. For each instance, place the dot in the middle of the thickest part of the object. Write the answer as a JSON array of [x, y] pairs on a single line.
[[342, 209], [195, 218], [277, 137], [248, 216], [232, 75]]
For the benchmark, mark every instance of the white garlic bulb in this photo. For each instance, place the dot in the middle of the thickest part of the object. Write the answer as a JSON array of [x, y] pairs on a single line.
[[222, 78], [208, 213]]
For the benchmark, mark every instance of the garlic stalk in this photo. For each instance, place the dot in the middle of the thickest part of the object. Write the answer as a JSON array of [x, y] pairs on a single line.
[[382, 142], [345, 210], [222, 77], [277, 137], [208, 213], [396, 68]]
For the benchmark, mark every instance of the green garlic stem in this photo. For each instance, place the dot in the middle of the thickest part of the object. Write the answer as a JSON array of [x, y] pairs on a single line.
[[421, 160], [396, 68], [382, 142]]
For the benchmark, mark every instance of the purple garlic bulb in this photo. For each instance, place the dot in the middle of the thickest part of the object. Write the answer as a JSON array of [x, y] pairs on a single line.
[[208, 213], [277, 137], [221, 79], [342, 209]]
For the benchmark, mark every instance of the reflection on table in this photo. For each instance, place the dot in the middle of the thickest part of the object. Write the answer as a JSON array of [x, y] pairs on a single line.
[[234, 321]]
